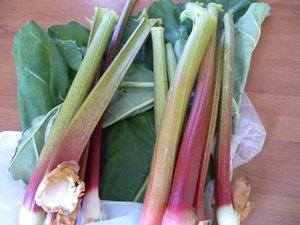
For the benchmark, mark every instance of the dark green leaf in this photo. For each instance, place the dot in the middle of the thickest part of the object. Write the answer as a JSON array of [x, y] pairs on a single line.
[[71, 40], [43, 79], [71, 53], [72, 31], [127, 151], [131, 101]]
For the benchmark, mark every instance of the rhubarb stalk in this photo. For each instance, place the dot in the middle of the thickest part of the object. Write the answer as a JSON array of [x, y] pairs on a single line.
[[160, 85], [30, 213], [180, 206], [63, 167], [226, 215], [199, 200], [160, 74], [167, 140], [92, 210], [171, 62]]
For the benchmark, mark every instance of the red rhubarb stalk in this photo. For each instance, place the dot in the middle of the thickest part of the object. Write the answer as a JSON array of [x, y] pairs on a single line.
[[199, 201], [180, 206], [167, 141], [61, 188], [92, 210], [226, 215], [91, 207]]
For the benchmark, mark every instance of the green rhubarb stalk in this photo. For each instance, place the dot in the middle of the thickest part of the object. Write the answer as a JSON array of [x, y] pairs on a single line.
[[171, 62], [160, 85], [79, 89], [160, 74], [225, 212], [69, 149], [167, 140], [95, 23]]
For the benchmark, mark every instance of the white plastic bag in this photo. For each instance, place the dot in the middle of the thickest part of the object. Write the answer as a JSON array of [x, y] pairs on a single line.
[[250, 134], [247, 143]]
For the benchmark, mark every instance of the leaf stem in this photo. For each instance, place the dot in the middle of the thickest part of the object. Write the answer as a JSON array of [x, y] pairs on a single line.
[[171, 62], [160, 74], [225, 212]]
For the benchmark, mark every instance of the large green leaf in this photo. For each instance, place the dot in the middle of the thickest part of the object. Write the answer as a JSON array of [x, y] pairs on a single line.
[[131, 101], [127, 150], [30, 145], [43, 79], [247, 34]]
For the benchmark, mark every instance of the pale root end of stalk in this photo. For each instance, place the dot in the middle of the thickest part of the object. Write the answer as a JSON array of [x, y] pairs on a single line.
[[92, 210], [226, 215], [206, 222], [240, 197], [61, 189], [70, 219], [29, 217], [179, 216]]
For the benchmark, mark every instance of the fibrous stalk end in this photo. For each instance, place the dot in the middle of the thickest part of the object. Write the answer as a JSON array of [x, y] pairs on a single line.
[[61, 189]]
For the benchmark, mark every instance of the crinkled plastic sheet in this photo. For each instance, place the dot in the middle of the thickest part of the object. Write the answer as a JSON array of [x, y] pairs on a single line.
[[248, 142]]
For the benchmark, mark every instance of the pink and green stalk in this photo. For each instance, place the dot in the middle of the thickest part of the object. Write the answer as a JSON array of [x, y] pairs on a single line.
[[63, 167], [168, 137], [160, 85], [91, 207], [199, 201], [226, 215], [180, 206], [31, 213]]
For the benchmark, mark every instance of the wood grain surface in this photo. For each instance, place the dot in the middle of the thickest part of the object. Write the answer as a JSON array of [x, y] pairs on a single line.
[[273, 87]]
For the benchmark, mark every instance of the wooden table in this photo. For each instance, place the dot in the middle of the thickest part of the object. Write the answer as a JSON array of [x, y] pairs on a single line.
[[273, 86]]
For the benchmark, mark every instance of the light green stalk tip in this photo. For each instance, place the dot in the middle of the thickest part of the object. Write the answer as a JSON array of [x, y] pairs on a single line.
[[214, 8], [171, 62], [160, 73], [98, 16], [193, 10]]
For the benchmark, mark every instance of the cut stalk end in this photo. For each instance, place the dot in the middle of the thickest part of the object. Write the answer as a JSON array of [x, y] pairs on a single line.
[[29, 217], [92, 210], [179, 216], [206, 222], [61, 189], [226, 215]]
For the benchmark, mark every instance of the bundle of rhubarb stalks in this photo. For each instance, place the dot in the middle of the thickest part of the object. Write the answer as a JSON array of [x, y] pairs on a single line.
[[193, 91]]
